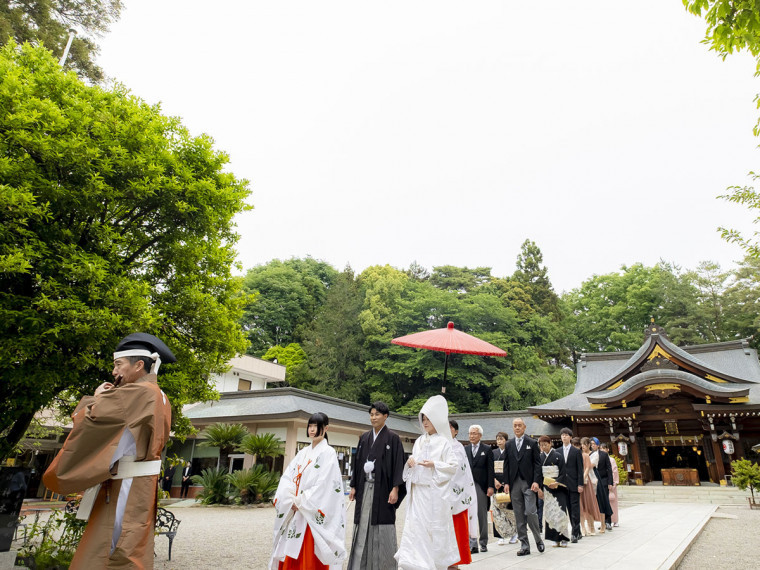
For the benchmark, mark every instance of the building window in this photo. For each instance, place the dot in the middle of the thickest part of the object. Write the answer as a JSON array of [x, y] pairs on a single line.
[[201, 463], [244, 384]]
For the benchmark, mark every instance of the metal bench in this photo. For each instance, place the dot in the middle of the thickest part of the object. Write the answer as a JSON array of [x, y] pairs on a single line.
[[166, 523]]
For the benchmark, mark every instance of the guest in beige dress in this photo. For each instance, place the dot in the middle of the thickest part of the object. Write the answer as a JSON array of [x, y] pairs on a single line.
[[589, 506]]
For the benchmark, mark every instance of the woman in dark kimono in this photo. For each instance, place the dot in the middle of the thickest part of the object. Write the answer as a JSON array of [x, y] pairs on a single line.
[[602, 494], [556, 499]]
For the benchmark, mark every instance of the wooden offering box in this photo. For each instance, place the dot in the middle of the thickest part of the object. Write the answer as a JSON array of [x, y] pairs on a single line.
[[680, 477]]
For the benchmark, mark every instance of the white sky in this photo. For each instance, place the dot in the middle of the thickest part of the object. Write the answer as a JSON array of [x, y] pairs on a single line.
[[449, 132]]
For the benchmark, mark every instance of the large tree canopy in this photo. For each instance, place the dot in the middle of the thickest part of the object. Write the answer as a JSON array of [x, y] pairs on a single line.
[[346, 348], [608, 312], [286, 296], [732, 26], [48, 22], [113, 219]]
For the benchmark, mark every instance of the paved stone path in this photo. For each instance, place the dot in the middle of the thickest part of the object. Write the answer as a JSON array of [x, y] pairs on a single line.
[[653, 535]]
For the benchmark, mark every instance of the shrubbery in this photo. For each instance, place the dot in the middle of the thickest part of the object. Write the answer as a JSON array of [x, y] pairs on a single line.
[[242, 487]]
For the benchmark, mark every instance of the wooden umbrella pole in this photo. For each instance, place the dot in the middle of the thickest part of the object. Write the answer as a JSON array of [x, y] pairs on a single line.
[[445, 371]]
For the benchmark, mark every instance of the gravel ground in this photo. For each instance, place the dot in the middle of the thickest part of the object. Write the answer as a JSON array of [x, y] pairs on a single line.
[[228, 537], [726, 542]]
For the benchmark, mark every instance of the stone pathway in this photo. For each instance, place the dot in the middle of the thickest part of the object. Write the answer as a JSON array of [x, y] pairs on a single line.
[[654, 535]]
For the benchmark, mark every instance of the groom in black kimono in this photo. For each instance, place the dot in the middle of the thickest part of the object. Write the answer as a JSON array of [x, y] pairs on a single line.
[[377, 484]]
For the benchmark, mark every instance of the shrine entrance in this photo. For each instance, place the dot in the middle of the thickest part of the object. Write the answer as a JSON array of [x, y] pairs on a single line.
[[673, 454]]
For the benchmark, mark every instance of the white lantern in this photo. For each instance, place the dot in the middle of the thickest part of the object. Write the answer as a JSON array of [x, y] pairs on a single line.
[[728, 447], [622, 448]]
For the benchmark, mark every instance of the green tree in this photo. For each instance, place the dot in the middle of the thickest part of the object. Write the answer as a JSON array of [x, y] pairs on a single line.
[[417, 272], [406, 375], [292, 357], [460, 279], [262, 445], [334, 343], [742, 301], [226, 437], [707, 304], [288, 295], [113, 218], [610, 312], [732, 26], [746, 475], [534, 277], [749, 197], [47, 23]]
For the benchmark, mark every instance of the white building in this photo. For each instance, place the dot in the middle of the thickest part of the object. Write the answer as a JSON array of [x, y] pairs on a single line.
[[249, 373]]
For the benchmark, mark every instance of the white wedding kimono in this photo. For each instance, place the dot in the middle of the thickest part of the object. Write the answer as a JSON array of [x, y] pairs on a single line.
[[463, 490], [429, 541], [313, 483]]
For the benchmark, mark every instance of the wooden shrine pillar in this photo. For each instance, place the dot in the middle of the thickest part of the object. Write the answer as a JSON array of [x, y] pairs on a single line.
[[718, 460]]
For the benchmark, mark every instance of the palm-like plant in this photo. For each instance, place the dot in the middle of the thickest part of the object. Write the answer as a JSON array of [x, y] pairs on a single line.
[[215, 486], [262, 445], [227, 437], [267, 484], [253, 485]]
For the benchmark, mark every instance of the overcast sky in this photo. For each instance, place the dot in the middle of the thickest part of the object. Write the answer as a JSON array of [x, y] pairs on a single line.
[[449, 132]]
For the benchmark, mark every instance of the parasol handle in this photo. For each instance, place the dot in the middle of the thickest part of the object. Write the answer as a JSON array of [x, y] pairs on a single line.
[[445, 371]]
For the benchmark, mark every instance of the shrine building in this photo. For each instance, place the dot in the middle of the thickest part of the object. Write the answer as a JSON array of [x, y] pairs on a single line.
[[679, 415]]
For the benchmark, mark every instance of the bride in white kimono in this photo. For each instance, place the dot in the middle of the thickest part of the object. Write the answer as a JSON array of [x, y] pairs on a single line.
[[309, 524], [429, 541]]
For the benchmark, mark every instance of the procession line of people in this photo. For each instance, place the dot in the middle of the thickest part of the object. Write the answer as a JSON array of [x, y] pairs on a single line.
[[449, 487]]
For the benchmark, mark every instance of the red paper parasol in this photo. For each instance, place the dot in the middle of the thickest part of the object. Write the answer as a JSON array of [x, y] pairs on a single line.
[[449, 340]]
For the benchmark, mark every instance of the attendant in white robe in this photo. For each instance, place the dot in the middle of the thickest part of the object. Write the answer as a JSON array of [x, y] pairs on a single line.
[[465, 508], [310, 524], [429, 541]]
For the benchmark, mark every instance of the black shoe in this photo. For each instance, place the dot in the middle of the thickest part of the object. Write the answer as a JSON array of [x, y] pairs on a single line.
[[484, 549], [523, 552], [541, 547], [574, 540], [474, 550], [609, 526]]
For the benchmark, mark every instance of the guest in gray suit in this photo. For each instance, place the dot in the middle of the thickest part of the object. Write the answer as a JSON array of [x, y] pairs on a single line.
[[523, 476]]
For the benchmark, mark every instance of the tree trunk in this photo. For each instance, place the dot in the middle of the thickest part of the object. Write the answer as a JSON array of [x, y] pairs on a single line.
[[15, 434]]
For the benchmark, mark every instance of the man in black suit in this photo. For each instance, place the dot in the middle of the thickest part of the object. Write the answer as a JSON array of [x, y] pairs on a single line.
[[605, 475], [523, 479], [187, 472], [574, 476], [168, 478], [481, 464]]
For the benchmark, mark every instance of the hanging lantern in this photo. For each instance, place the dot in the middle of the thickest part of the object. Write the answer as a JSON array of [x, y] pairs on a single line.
[[728, 447], [622, 448]]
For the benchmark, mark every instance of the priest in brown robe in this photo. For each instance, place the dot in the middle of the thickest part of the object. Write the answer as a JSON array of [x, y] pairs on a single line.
[[114, 454]]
